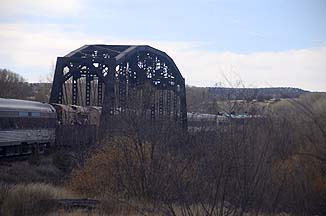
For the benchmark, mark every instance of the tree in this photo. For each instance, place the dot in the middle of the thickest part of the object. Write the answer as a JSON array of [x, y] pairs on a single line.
[[12, 85]]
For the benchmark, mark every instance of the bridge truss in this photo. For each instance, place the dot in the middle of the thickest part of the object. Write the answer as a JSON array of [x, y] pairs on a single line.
[[122, 79]]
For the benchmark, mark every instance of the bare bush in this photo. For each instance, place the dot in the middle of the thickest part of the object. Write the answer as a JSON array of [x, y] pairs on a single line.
[[250, 166], [222, 171]]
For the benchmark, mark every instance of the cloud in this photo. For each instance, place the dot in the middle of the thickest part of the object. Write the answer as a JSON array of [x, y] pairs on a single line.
[[303, 68], [33, 44], [40, 7], [31, 49]]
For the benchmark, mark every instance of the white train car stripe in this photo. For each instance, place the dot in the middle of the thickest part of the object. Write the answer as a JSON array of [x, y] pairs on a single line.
[[16, 137]]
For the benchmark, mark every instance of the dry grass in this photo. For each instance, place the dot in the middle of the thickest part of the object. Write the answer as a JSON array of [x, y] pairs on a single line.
[[31, 199], [195, 211], [4, 190], [78, 212], [23, 172]]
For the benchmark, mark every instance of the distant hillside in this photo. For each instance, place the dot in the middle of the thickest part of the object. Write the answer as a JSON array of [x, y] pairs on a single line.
[[255, 93], [40, 91]]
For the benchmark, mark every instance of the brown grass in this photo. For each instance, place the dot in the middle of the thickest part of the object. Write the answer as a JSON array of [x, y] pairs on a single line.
[[23, 172], [31, 199]]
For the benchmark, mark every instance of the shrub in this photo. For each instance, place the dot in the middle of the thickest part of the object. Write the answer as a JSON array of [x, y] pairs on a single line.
[[97, 175], [127, 167], [62, 160]]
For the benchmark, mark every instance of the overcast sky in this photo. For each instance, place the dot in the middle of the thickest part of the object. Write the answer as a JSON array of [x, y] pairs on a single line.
[[264, 43]]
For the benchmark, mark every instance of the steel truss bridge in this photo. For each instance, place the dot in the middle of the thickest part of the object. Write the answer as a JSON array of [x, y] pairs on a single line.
[[121, 79]]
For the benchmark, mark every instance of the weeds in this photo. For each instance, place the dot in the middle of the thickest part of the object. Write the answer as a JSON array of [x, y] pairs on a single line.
[[31, 199]]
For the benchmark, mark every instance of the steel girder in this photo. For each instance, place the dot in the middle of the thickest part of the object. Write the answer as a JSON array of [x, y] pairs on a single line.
[[114, 75]]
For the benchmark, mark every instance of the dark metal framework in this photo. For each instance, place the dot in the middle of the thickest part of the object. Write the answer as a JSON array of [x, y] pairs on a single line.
[[114, 75]]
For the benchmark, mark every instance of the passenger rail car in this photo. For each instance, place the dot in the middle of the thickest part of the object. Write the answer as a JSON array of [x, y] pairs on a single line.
[[25, 126], [205, 122]]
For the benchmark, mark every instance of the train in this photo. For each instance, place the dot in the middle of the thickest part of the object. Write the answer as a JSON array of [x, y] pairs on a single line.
[[30, 126], [205, 122], [210, 122]]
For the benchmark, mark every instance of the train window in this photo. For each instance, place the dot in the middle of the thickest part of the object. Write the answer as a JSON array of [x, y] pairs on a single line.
[[36, 114], [7, 123], [23, 114], [27, 123], [4, 123]]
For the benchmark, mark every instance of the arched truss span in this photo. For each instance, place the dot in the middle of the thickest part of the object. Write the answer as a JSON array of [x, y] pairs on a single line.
[[121, 78]]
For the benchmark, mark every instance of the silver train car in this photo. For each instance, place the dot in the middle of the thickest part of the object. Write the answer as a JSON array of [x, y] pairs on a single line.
[[205, 122], [26, 126]]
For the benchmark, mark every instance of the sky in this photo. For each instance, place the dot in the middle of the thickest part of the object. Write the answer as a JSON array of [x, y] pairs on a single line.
[[262, 43]]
